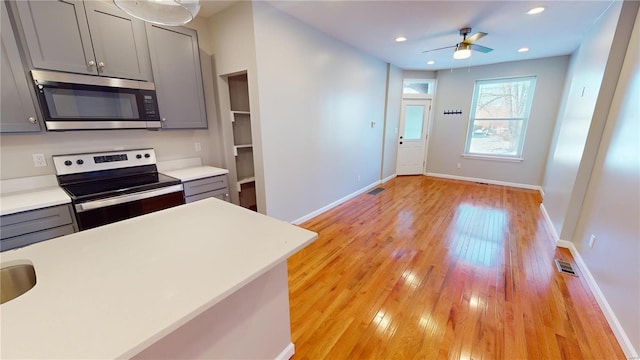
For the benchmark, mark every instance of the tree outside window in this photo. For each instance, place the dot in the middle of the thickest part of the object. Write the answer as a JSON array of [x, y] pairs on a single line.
[[499, 115]]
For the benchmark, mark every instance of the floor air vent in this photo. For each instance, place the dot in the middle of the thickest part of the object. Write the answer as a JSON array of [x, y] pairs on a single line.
[[376, 191], [565, 267]]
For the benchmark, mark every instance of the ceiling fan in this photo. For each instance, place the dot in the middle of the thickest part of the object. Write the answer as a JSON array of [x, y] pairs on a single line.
[[463, 48]]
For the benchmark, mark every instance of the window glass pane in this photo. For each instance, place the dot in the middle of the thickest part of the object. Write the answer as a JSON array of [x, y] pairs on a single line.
[[500, 112], [413, 118], [416, 87], [503, 99], [496, 137]]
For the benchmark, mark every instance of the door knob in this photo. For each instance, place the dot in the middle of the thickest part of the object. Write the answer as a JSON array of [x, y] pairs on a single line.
[[91, 63], [32, 119]]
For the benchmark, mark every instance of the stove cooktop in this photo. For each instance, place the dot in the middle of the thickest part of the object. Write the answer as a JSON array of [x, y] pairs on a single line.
[[102, 188]]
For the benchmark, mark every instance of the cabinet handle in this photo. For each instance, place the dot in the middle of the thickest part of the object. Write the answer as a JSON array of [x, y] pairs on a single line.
[[91, 63], [32, 119], [163, 119], [100, 64]]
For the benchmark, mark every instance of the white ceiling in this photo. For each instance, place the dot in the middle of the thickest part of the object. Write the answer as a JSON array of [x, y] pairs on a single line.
[[373, 25]]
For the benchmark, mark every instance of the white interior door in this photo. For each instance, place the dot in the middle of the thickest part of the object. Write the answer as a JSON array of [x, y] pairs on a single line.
[[414, 118]]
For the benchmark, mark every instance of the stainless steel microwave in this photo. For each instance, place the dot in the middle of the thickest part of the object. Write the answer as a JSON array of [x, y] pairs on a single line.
[[85, 102]]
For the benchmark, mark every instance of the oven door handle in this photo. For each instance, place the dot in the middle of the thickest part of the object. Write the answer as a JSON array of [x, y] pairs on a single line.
[[121, 199]]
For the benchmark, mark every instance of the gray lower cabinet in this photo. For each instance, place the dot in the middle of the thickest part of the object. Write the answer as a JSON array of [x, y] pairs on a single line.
[[17, 110], [215, 186], [91, 37], [28, 227], [175, 61]]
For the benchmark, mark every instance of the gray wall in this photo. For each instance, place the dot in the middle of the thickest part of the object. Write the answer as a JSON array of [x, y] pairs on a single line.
[[448, 132], [318, 97], [611, 209], [591, 80], [392, 120]]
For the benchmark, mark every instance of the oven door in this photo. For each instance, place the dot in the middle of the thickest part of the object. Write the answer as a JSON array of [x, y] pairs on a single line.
[[95, 213]]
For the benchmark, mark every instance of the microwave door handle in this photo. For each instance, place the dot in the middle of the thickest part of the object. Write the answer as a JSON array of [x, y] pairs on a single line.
[[121, 199]]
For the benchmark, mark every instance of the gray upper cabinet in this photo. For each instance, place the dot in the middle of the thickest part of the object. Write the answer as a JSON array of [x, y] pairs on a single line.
[[175, 60], [92, 37], [18, 112], [119, 42]]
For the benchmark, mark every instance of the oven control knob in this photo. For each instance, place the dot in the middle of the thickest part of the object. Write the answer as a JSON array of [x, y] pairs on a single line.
[[68, 163], [79, 161], [147, 156], [138, 156]]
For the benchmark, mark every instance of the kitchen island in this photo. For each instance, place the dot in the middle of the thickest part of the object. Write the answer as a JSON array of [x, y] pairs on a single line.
[[206, 279]]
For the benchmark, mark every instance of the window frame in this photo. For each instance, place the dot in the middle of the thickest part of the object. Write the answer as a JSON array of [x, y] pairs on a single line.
[[525, 119]]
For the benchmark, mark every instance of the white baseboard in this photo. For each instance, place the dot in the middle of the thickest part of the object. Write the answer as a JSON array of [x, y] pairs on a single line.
[[615, 325], [493, 182], [547, 218], [335, 203], [388, 178], [287, 353]]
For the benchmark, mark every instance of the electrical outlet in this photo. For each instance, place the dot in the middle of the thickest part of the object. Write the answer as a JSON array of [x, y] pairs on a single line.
[[39, 160], [592, 241], [198, 147], [459, 166], [358, 179]]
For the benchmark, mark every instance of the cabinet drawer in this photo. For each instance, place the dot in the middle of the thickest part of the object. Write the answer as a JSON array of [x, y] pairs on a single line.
[[36, 220], [222, 194], [32, 238], [205, 185]]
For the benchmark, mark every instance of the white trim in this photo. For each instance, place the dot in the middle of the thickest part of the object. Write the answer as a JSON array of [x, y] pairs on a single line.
[[615, 325], [493, 182], [493, 158], [547, 218], [388, 178], [335, 203], [287, 353]]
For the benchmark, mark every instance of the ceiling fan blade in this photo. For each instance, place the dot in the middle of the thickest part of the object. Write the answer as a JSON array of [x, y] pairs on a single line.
[[480, 48], [475, 37], [442, 48]]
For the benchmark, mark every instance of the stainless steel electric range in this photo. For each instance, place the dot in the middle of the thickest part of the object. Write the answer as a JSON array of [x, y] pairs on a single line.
[[106, 187]]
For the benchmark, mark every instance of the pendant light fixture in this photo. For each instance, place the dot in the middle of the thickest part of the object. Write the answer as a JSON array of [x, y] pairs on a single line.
[[463, 51], [161, 12]]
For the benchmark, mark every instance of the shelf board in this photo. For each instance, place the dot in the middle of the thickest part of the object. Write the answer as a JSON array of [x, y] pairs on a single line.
[[233, 113], [245, 181], [245, 146]]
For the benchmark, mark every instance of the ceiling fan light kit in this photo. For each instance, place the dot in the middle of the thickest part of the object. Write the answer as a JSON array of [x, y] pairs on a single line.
[[463, 51], [161, 12], [463, 48]]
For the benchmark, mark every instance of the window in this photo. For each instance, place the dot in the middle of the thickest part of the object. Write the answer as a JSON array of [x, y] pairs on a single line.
[[417, 87], [499, 115]]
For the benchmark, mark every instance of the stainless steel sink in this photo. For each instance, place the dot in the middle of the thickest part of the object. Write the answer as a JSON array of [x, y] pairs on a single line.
[[16, 280]]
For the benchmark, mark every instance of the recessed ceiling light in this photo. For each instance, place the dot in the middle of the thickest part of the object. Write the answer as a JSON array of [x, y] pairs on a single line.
[[430, 62], [536, 10], [401, 39], [523, 49]]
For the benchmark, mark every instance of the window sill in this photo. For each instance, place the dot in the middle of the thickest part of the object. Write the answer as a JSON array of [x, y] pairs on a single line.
[[493, 158]]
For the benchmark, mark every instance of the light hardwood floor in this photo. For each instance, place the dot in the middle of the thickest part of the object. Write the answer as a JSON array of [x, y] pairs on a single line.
[[441, 269]]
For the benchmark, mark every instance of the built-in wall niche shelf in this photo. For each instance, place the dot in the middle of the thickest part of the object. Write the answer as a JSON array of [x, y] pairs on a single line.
[[240, 117]]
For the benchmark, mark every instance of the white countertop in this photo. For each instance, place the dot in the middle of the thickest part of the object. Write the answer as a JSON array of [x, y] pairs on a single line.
[[196, 172], [112, 291], [31, 193]]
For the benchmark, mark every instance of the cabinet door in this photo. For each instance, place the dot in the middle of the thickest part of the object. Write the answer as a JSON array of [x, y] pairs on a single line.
[[119, 42], [18, 111], [57, 35], [175, 61]]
